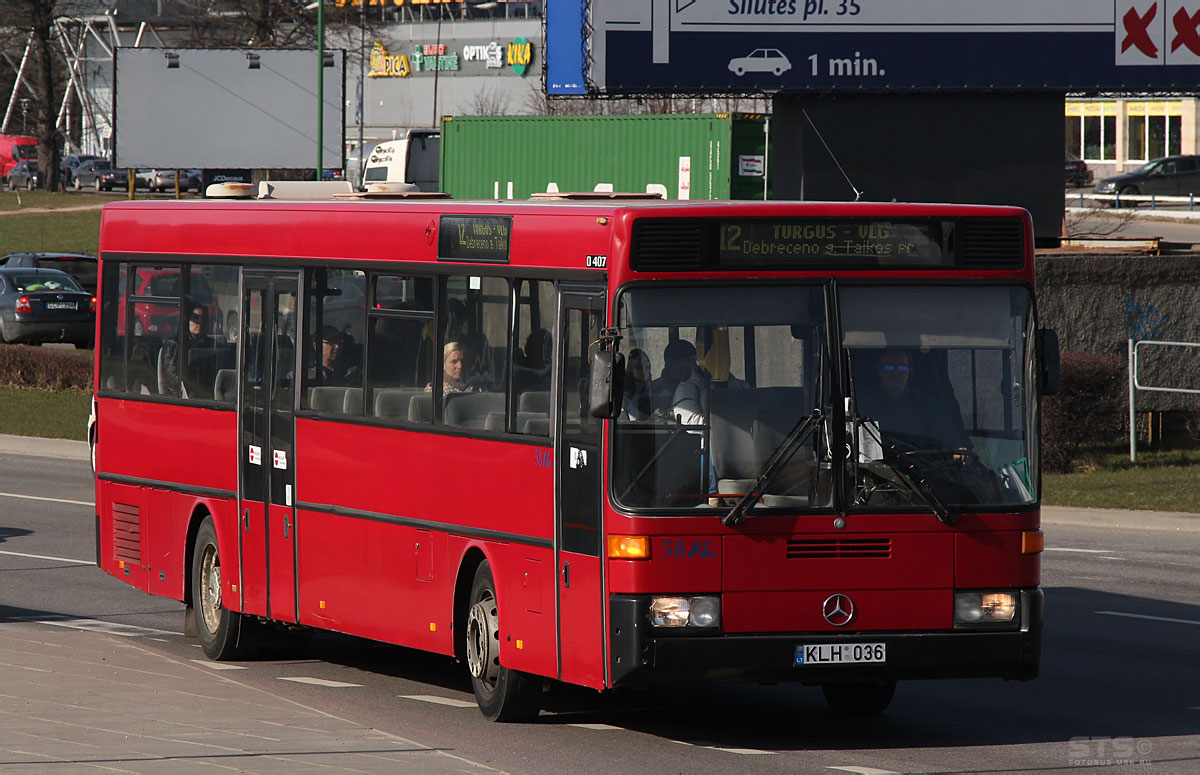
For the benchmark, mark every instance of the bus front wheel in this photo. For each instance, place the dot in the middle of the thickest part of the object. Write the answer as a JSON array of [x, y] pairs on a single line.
[[502, 694], [859, 697], [217, 627]]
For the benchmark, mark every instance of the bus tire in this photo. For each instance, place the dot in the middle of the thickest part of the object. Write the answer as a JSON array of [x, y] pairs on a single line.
[[859, 698], [217, 627], [502, 694]]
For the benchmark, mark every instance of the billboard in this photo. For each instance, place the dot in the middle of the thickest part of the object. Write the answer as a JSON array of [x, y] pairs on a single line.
[[183, 108], [824, 46]]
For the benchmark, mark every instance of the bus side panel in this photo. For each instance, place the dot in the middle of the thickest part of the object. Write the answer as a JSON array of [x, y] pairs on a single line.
[[361, 577], [168, 443], [434, 485], [158, 538]]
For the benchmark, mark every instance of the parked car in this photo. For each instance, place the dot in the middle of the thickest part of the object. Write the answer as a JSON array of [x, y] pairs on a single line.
[[1078, 174], [23, 175], [45, 305], [164, 180], [100, 175], [70, 162], [1170, 175], [761, 60], [79, 265]]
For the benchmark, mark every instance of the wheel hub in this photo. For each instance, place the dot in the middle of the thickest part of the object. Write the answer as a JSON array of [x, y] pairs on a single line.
[[483, 636], [210, 590]]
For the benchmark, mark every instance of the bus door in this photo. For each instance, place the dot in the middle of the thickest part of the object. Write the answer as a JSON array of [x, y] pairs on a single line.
[[267, 535], [579, 533]]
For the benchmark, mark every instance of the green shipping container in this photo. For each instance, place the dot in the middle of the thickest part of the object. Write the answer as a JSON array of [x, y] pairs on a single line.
[[713, 156]]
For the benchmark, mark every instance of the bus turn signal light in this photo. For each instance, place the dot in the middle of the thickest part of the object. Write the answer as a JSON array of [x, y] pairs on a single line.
[[628, 547], [1033, 542]]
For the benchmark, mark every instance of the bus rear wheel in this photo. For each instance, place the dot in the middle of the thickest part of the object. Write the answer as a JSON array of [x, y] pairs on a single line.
[[859, 698], [502, 694], [217, 627]]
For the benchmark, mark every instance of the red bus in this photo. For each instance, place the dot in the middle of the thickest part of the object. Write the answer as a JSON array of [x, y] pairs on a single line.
[[607, 443]]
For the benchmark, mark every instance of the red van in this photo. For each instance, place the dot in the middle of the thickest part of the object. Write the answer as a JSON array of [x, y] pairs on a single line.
[[14, 148]]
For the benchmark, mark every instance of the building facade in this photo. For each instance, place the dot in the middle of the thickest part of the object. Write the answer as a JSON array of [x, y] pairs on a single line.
[[1119, 135]]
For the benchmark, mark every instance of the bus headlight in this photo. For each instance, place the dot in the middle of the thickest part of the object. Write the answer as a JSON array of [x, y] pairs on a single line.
[[695, 611], [985, 608]]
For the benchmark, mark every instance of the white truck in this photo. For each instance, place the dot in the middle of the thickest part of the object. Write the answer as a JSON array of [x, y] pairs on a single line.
[[411, 159]]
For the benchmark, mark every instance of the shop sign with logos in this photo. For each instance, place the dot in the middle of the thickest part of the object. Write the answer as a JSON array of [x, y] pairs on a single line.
[[427, 57]]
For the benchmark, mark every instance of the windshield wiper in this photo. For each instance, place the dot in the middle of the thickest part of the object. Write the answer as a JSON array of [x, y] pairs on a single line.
[[800, 432], [912, 475]]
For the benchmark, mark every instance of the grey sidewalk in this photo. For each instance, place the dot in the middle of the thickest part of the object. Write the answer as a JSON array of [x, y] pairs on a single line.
[[87, 702]]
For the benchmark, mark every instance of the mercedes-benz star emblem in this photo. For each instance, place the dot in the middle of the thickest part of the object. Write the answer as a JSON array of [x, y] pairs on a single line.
[[838, 610]]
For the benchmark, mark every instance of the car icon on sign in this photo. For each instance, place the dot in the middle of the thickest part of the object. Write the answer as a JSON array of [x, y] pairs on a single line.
[[761, 60]]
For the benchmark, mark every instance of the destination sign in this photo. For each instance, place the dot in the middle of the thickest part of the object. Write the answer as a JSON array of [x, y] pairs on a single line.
[[825, 241], [474, 238]]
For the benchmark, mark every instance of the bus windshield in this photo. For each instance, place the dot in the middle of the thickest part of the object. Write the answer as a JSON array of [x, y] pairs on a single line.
[[716, 380], [942, 384], [937, 397]]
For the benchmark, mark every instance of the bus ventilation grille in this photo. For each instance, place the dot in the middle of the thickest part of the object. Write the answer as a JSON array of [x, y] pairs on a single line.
[[666, 245], [127, 533], [991, 244], [839, 548]]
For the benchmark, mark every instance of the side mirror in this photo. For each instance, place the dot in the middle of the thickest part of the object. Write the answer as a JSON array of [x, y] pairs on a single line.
[[605, 381], [1051, 375]]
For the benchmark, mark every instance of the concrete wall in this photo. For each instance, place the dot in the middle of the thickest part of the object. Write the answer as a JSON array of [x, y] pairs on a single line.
[[1098, 302]]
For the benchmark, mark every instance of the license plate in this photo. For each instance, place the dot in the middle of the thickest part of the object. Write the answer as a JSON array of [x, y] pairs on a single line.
[[840, 654], [60, 305]]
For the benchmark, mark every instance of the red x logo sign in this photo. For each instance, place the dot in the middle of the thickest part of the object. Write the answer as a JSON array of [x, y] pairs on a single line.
[[1137, 31], [1185, 31]]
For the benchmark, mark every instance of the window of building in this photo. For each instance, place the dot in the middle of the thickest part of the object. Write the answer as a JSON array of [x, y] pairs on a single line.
[[1092, 130], [1153, 130]]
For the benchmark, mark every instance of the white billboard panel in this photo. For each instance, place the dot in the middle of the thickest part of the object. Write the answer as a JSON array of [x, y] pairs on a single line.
[[184, 108]]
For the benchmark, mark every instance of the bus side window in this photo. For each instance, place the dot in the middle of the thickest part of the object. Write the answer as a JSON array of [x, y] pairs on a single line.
[[533, 355], [475, 326], [335, 322], [113, 330], [400, 344]]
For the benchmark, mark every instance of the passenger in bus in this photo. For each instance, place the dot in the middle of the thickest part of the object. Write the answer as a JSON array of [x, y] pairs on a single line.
[[679, 363], [709, 371], [332, 367], [452, 371], [908, 418], [637, 403]]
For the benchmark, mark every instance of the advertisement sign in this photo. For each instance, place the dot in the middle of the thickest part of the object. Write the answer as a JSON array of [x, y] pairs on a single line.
[[771, 46]]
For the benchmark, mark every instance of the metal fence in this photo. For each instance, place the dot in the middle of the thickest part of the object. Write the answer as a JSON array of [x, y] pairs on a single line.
[[1135, 384]]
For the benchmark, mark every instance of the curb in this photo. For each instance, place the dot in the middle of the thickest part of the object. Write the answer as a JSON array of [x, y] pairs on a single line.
[[1123, 518], [63, 449]]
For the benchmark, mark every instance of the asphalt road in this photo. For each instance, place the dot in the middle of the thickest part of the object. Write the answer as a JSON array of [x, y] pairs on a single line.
[[1120, 684]]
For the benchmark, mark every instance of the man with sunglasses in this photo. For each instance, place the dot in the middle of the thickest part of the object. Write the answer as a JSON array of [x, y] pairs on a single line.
[[909, 419]]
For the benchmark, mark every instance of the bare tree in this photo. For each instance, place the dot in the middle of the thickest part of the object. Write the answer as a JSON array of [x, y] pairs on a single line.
[[30, 24], [488, 101]]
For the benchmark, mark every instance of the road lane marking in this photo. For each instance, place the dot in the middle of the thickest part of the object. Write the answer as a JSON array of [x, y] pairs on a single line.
[[595, 726], [319, 682], [42, 498], [1149, 618], [453, 703], [67, 560], [711, 747], [95, 625], [1077, 551], [217, 665], [864, 770]]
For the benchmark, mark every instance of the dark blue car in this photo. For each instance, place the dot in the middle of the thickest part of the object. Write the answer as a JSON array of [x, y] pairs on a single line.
[[45, 305]]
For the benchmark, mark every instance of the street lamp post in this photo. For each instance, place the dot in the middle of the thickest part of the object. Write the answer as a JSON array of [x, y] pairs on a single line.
[[320, 88]]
